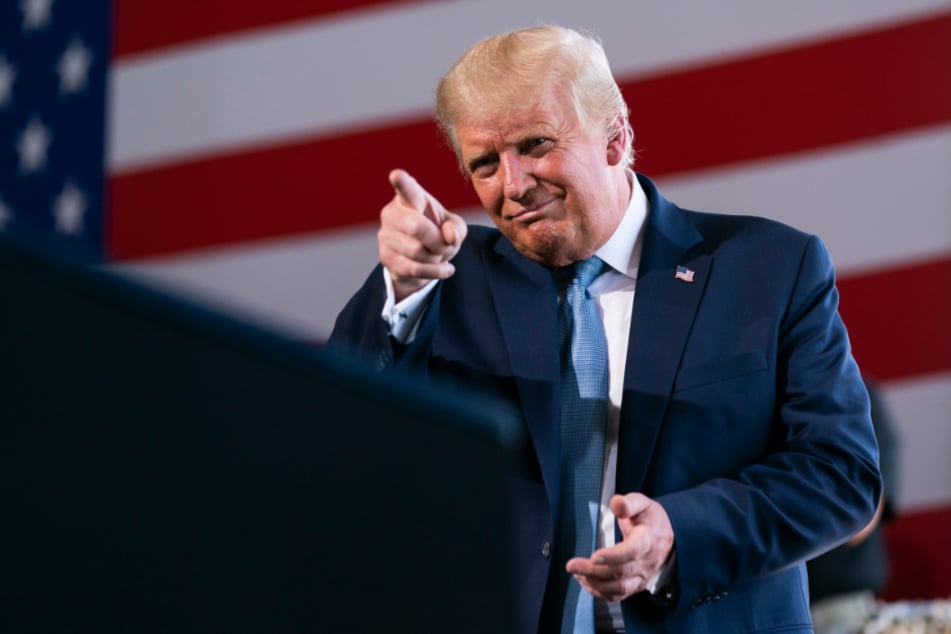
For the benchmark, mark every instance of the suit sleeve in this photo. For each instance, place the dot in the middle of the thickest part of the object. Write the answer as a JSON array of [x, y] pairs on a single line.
[[820, 482], [360, 332]]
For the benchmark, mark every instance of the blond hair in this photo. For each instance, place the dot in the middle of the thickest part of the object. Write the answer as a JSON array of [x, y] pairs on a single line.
[[518, 67]]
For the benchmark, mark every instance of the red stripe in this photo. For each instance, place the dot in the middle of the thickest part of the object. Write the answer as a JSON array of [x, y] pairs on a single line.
[[846, 89], [142, 26], [879, 82], [318, 185], [919, 557], [898, 319]]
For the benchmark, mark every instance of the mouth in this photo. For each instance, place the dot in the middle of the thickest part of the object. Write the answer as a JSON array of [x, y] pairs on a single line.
[[532, 213]]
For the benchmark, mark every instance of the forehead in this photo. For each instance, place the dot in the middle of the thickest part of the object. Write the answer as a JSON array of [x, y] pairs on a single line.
[[547, 115]]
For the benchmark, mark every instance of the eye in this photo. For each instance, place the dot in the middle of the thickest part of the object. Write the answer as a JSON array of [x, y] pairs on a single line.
[[537, 145], [482, 167]]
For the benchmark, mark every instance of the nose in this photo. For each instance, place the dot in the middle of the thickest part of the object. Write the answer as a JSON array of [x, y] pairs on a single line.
[[515, 172]]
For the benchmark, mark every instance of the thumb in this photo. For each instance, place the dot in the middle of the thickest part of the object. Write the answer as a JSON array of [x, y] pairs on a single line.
[[629, 506], [454, 230]]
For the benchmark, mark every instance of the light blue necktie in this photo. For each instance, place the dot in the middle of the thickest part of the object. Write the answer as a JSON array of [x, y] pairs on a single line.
[[584, 409]]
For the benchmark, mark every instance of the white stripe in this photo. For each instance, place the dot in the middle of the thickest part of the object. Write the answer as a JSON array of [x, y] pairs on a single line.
[[327, 76], [295, 285], [921, 411], [875, 202]]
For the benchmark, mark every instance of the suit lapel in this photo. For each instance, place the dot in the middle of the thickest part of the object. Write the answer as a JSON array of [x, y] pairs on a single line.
[[525, 301], [664, 310], [526, 304]]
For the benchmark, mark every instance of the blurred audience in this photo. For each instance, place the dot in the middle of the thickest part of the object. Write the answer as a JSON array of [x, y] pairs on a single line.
[[843, 582]]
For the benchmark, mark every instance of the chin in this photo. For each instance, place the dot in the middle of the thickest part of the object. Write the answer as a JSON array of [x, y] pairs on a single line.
[[549, 242], [550, 250]]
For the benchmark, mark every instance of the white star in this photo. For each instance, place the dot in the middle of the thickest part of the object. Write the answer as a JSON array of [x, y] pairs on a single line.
[[33, 145], [68, 209], [36, 14], [8, 73], [5, 216], [73, 67]]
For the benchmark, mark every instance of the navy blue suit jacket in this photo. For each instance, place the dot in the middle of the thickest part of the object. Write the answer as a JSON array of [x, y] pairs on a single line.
[[743, 413]]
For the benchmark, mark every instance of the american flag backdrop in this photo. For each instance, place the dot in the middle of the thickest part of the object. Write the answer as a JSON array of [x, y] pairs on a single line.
[[247, 146], [52, 121]]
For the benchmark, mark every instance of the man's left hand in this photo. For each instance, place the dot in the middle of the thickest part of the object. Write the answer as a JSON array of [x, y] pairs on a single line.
[[624, 569]]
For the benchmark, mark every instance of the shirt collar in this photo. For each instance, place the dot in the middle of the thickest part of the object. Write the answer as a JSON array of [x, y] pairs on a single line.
[[622, 251]]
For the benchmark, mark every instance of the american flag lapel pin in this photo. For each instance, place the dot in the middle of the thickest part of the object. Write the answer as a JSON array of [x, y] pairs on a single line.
[[684, 274]]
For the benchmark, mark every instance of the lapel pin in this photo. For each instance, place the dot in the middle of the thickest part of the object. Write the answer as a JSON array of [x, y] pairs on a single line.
[[684, 274]]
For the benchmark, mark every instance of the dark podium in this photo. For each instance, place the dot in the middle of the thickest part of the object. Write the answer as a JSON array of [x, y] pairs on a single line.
[[164, 468]]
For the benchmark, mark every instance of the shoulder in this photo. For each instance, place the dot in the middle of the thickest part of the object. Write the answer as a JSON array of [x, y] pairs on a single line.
[[758, 240], [726, 226], [716, 231]]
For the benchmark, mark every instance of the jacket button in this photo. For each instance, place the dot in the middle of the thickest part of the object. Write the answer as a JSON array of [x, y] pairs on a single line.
[[546, 549]]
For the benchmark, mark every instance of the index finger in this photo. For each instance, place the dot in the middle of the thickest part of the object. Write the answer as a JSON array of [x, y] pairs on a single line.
[[409, 191], [413, 195], [615, 555]]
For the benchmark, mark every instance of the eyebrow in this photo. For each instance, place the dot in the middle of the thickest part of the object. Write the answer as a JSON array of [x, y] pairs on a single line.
[[538, 130]]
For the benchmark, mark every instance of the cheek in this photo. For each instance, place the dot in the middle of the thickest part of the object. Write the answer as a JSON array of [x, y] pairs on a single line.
[[490, 195], [588, 191]]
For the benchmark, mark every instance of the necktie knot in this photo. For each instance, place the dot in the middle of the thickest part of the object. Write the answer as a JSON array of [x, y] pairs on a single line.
[[587, 270]]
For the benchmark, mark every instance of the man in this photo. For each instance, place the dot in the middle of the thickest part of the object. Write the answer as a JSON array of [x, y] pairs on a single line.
[[735, 430]]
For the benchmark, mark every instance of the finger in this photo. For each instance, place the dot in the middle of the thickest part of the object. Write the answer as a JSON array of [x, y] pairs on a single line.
[[608, 582], [617, 563], [618, 555], [614, 589], [407, 272], [580, 566], [409, 191], [629, 506], [409, 233], [413, 195], [395, 256], [454, 230], [590, 570], [412, 273]]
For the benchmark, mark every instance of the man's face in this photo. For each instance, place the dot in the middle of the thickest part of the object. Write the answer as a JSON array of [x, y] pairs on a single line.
[[553, 187]]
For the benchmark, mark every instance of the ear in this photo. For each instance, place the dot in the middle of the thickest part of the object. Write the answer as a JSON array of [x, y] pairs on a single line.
[[617, 142]]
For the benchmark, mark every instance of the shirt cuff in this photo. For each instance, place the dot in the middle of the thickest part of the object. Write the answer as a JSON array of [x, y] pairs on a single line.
[[662, 579], [402, 318]]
